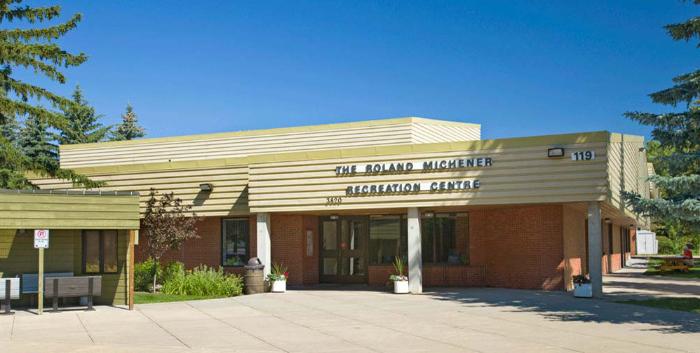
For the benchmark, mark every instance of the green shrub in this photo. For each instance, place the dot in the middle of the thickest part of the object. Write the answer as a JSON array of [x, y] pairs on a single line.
[[143, 275], [171, 270], [671, 245], [204, 281]]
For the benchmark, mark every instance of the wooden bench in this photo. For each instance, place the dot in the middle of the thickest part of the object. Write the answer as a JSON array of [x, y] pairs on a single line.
[[9, 289], [66, 287]]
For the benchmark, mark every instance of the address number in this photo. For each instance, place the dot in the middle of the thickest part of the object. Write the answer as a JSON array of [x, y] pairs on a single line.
[[583, 156], [335, 200]]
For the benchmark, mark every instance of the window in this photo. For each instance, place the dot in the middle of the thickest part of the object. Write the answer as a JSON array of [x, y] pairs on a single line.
[[445, 238], [387, 239], [235, 241], [100, 251]]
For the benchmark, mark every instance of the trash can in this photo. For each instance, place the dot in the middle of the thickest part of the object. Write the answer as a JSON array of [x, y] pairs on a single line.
[[254, 279]]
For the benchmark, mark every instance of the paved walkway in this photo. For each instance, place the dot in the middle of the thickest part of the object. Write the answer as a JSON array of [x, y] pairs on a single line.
[[631, 283], [464, 320]]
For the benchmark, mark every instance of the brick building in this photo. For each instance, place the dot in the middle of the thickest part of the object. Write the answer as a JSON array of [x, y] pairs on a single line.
[[337, 203]]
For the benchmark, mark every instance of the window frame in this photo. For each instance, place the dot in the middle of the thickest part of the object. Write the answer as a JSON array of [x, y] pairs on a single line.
[[101, 252], [222, 252]]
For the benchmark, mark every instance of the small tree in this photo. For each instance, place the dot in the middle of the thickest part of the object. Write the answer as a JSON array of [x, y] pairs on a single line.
[[129, 128], [83, 124], [167, 224], [35, 141]]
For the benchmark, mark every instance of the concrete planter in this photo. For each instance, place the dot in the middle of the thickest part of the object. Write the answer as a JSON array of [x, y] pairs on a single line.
[[279, 286], [401, 287], [583, 290]]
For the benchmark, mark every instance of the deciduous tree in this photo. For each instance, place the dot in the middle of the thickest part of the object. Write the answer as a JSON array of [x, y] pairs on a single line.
[[166, 225]]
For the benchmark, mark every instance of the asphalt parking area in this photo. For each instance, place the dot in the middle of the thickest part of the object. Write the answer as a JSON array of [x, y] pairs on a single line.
[[459, 320]]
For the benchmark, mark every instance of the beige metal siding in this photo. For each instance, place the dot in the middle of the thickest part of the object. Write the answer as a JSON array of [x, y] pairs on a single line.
[[430, 133], [229, 197], [627, 169], [518, 175], [233, 146], [56, 211], [247, 143]]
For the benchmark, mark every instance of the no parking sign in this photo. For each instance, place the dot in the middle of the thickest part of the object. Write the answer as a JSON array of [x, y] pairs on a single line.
[[41, 239]]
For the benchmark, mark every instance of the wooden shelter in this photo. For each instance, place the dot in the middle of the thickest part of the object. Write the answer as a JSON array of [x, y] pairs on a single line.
[[90, 233]]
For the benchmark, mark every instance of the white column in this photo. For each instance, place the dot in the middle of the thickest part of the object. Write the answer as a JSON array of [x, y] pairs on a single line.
[[264, 245], [415, 259], [595, 249]]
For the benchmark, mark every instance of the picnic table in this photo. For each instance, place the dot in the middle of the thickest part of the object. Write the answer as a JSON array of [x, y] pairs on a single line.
[[672, 263]]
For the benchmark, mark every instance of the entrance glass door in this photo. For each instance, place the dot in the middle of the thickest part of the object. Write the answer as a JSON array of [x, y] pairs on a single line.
[[344, 249]]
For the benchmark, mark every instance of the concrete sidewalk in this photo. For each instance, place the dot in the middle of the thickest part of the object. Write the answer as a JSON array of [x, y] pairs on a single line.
[[632, 283], [459, 320]]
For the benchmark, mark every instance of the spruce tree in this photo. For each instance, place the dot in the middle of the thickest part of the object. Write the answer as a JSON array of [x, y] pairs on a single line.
[[10, 129], [129, 128], [675, 148], [82, 124], [35, 141], [30, 47]]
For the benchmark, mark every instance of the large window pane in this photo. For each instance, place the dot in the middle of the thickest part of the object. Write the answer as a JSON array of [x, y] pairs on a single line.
[[445, 238], [109, 251], [386, 239], [235, 242], [330, 235], [330, 266], [91, 251]]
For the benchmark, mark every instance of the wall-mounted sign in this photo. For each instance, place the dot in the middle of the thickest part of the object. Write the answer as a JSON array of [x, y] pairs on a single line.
[[405, 167], [409, 187], [41, 238], [405, 188], [583, 156]]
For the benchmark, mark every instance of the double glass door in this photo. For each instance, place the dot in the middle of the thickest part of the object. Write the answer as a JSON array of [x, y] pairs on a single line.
[[344, 249]]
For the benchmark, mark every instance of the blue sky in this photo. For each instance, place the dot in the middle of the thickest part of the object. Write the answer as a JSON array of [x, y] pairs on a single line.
[[517, 67]]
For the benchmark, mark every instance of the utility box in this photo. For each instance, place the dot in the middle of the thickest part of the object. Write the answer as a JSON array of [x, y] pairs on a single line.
[[647, 243]]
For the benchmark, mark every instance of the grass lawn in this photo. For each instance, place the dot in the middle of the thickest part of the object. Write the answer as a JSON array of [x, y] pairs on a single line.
[[681, 304], [652, 271], [146, 298]]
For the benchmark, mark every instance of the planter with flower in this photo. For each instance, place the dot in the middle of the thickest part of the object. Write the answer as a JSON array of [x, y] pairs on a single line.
[[399, 277], [278, 278], [582, 287]]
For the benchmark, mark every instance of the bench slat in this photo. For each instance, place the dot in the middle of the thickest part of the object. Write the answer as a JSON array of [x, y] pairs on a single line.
[[73, 286], [14, 288], [30, 281]]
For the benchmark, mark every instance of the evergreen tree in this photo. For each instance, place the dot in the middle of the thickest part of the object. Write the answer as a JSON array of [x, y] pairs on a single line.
[[35, 141], [129, 128], [10, 129], [82, 122], [33, 48], [675, 149]]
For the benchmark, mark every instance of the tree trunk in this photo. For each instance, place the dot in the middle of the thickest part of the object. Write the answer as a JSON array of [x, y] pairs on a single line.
[[155, 274]]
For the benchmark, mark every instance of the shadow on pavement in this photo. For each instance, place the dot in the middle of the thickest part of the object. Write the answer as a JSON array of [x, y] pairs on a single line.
[[560, 306]]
